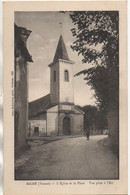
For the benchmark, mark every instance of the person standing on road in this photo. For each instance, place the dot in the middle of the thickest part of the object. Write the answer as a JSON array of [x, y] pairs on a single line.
[[87, 134]]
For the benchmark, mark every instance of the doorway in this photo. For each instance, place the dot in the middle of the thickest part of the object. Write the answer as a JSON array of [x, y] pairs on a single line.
[[66, 125], [36, 131]]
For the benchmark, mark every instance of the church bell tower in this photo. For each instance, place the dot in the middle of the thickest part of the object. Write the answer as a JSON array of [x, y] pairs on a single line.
[[61, 76]]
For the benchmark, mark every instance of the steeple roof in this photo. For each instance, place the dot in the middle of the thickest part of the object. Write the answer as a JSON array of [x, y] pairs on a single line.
[[61, 52]]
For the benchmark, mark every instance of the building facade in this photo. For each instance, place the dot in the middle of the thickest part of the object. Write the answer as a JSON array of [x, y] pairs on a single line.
[[57, 109], [22, 57]]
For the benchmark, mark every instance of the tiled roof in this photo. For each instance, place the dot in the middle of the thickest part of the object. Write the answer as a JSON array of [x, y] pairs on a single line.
[[39, 105], [61, 52]]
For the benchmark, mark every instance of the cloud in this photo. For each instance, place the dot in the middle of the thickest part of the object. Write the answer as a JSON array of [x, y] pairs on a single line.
[[37, 42], [68, 43], [52, 40], [40, 58], [36, 37], [42, 48]]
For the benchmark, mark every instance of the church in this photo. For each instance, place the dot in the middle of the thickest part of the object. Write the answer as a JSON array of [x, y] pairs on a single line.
[[55, 113]]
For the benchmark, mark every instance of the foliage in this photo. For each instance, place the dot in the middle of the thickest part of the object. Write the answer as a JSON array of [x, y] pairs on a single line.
[[90, 116], [94, 119], [94, 28], [97, 40]]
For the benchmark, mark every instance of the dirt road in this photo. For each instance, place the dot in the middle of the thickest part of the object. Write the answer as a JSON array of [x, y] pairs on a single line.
[[69, 158]]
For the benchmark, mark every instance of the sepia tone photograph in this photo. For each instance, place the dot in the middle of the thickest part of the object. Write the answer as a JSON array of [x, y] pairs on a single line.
[[66, 108], [65, 98]]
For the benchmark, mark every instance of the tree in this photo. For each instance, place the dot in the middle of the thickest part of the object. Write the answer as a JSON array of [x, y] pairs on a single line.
[[97, 40], [94, 119], [101, 121], [90, 116]]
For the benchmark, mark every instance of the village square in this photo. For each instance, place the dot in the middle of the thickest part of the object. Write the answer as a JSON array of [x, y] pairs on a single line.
[[63, 134]]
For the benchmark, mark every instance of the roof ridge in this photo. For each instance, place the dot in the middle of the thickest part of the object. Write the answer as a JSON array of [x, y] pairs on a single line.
[[40, 98]]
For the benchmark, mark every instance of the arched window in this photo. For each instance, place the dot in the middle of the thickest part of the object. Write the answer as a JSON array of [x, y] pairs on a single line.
[[66, 75], [54, 75]]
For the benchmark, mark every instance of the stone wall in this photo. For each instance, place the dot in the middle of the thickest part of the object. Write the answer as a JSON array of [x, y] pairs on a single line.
[[22, 57], [60, 122], [66, 88], [52, 123], [78, 124], [21, 105], [40, 124], [61, 90], [54, 120], [54, 85]]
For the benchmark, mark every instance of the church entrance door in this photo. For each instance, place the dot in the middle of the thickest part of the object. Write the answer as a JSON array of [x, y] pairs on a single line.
[[66, 125]]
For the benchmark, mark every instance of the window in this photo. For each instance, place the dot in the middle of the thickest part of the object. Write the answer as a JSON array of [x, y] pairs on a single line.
[[36, 130], [54, 75], [66, 75]]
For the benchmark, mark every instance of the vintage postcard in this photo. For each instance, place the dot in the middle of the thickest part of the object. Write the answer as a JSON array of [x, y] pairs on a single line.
[[65, 97]]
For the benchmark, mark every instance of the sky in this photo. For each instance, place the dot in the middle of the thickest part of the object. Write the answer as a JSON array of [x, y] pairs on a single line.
[[42, 43]]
